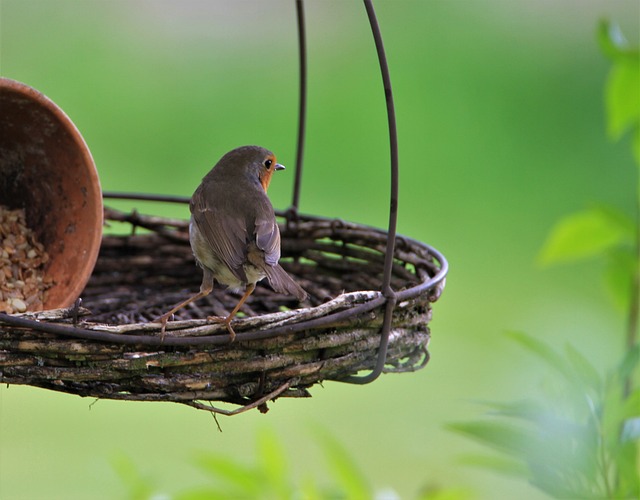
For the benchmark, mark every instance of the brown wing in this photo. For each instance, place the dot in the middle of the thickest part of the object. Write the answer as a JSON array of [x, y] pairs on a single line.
[[268, 241], [267, 233], [225, 233]]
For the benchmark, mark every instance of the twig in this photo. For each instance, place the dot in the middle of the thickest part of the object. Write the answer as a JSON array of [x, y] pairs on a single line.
[[242, 409]]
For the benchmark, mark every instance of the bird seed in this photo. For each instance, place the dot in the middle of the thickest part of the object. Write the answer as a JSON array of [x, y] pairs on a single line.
[[23, 284]]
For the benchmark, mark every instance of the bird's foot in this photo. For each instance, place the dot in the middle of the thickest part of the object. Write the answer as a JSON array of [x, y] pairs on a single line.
[[227, 322], [163, 322]]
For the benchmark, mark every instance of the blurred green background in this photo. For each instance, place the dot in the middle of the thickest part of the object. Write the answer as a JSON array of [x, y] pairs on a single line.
[[501, 131]]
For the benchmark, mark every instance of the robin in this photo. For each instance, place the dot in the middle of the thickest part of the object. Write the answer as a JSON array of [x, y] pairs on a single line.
[[233, 231]]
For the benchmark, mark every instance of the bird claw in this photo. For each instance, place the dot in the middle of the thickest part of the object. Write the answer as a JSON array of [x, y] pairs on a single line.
[[227, 322], [163, 320]]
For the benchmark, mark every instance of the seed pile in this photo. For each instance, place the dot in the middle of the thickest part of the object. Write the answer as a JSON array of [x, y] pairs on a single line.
[[23, 284]]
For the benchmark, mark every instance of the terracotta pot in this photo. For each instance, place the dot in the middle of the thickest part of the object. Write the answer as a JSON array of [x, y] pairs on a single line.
[[47, 169]]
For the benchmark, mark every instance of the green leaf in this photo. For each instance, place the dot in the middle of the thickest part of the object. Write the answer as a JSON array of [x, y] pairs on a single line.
[[273, 463], [506, 466], [139, 488], [543, 351], [524, 409], [587, 374], [586, 234], [626, 461], [206, 493], [239, 477], [622, 98], [629, 363], [631, 429], [343, 468], [612, 42], [618, 276], [436, 493], [612, 413], [309, 489], [580, 383], [513, 440], [630, 412], [618, 408]]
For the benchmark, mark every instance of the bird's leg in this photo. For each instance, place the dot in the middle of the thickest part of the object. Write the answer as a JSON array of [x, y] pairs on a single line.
[[205, 289], [227, 321]]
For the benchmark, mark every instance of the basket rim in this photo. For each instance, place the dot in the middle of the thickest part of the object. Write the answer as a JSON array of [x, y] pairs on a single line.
[[340, 308]]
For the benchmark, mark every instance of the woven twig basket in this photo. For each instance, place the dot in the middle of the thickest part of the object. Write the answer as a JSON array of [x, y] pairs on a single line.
[[369, 305], [108, 348]]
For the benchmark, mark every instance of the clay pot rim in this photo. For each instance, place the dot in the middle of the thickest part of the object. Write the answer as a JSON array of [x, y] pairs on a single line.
[[84, 271]]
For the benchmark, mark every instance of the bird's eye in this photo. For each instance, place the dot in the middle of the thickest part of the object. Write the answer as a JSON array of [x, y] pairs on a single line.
[[268, 164]]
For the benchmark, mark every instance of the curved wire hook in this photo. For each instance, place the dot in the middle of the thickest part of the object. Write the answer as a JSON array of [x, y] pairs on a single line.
[[393, 208]]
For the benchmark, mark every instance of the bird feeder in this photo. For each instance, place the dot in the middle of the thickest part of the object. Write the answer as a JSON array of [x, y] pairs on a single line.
[[46, 170], [369, 307]]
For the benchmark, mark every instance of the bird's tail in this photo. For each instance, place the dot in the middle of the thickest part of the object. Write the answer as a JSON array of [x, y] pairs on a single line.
[[281, 282]]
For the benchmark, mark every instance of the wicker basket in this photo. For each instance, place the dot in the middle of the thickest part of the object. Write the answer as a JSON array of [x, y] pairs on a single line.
[[369, 306], [110, 348]]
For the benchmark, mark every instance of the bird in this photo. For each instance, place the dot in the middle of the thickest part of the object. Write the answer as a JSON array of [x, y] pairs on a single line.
[[233, 231]]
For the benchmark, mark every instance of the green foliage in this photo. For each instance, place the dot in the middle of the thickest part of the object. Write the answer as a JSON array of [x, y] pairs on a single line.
[[267, 478], [622, 97], [588, 233], [580, 438], [270, 477], [605, 231], [435, 493], [137, 486], [273, 462], [568, 442], [351, 482]]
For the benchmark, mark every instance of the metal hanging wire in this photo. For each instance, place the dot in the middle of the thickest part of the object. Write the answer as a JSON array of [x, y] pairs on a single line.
[[302, 105], [387, 291]]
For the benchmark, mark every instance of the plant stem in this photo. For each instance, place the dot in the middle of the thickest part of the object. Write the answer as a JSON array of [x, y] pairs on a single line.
[[634, 305]]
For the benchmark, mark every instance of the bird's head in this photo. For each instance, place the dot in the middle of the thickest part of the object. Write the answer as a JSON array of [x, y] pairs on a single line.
[[253, 162]]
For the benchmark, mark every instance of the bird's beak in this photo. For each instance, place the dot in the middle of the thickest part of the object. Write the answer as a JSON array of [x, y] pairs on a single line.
[[279, 167]]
